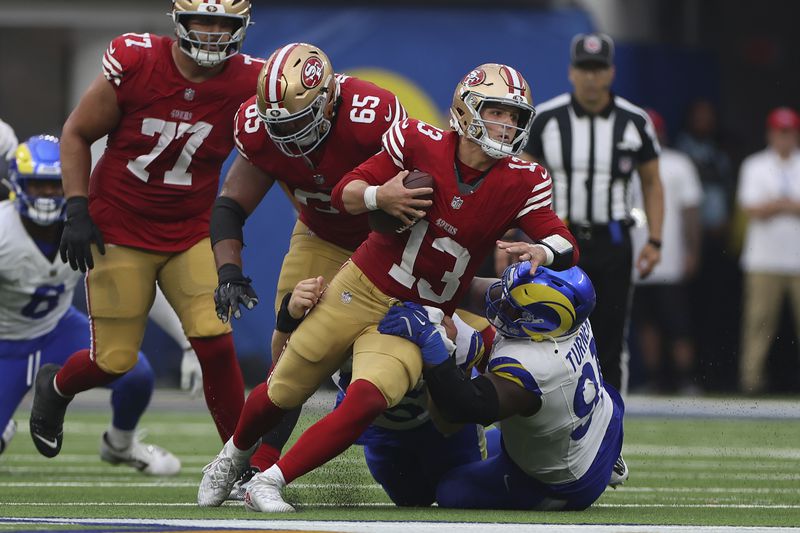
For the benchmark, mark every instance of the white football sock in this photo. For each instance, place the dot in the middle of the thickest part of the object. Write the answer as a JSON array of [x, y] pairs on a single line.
[[119, 438]]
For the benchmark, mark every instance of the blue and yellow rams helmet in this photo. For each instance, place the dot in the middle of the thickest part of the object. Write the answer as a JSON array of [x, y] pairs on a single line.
[[540, 304], [35, 175]]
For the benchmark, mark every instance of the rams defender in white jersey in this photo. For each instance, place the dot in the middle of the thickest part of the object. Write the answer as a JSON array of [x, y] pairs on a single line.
[[560, 424], [38, 325]]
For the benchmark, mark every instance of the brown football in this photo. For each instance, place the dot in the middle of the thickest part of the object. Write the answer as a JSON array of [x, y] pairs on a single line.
[[383, 222]]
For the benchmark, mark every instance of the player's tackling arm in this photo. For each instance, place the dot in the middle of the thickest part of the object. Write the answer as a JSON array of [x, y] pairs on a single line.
[[244, 187], [96, 115]]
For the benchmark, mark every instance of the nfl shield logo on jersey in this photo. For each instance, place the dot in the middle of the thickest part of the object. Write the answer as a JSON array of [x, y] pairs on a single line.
[[188, 95], [457, 202]]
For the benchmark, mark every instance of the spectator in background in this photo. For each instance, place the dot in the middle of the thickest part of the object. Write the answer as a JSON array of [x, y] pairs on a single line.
[[592, 141], [699, 141], [661, 313], [718, 271], [769, 193]]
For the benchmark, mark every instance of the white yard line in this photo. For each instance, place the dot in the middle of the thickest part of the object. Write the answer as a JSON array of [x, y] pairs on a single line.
[[635, 405], [402, 527], [673, 505], [374, 486]]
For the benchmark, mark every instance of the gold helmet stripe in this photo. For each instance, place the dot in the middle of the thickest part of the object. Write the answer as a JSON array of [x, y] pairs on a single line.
[[276, 73]]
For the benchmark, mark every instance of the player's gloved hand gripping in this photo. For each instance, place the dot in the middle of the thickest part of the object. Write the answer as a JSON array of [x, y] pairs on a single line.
[[411, 321], [79, 233], [233, 289]]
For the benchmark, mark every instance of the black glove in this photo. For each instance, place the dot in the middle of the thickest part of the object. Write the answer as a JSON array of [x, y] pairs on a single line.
[[79, 233], [233, 289]]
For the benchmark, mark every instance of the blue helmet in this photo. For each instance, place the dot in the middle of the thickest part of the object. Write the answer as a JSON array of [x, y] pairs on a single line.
[[37, 160], [539, 304]]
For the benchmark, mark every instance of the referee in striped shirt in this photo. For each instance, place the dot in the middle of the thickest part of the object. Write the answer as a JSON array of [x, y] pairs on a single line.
[[593, 141]]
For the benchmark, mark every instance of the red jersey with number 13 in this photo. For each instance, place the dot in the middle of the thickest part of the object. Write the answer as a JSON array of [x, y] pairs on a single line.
[[434, 262], [158, 177]]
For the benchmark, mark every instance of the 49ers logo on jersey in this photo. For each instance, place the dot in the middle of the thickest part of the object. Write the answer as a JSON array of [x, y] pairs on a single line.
[[312, 72], [476, 77]]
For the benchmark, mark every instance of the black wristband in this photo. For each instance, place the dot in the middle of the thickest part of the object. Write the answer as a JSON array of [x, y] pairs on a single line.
[[230, 273], [285, 322], [655, 243], [77, 205], [227, 219]]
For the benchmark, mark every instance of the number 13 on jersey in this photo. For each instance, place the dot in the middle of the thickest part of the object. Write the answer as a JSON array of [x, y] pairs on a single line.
[[402, 273]]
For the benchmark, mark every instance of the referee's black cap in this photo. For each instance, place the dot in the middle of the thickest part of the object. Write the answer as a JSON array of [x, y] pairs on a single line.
[[592, 48]]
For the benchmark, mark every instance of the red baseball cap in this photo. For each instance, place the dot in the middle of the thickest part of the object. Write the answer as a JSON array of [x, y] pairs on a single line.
[[783, 118], [658, 122]]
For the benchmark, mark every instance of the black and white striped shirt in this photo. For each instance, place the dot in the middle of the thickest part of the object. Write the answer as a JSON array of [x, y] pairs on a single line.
[[591, 157]]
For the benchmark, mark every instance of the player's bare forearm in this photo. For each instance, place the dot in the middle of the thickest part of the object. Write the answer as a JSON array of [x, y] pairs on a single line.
[[246, 184], [353, 197], [96, 115], [76, 163], [228, 251], [653, 194]]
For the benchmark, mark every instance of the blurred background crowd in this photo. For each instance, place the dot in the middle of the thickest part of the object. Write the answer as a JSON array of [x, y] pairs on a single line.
[[713, 72]]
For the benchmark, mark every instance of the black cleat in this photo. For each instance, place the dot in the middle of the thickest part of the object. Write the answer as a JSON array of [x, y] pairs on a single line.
[[241, 485], [47, 413]]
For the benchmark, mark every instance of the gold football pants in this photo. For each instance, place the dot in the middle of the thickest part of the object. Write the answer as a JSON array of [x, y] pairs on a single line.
[[120, 290]]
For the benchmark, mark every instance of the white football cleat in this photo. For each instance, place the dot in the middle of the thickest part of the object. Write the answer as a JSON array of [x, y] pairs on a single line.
[[220, 474], [264, 493], [619, 473], [146, 458], [8, 434]]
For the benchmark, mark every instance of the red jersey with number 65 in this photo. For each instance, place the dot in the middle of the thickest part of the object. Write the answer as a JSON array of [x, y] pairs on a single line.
[[434, 262], [158, 177], [364, 114]]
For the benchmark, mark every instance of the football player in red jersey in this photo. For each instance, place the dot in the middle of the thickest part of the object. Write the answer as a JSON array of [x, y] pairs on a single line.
[[306, 128], [167, 107], [480, 191]]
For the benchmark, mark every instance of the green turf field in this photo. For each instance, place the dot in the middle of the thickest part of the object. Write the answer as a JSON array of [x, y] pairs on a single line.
[[704, 472]]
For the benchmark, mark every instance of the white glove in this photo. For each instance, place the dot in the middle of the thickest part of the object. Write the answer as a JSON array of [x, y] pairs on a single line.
[[191, 373], [436, 315]]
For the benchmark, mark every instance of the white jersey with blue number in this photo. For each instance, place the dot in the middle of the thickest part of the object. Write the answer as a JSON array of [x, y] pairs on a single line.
[[34, 292], [559, 443]]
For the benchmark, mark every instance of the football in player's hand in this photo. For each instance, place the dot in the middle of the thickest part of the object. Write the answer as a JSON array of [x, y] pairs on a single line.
[[383, 222]]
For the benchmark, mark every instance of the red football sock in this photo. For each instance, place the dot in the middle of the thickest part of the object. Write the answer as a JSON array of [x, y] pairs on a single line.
[[334, 433], [222, 381], [81, 373], [259, 415], [265, 457]]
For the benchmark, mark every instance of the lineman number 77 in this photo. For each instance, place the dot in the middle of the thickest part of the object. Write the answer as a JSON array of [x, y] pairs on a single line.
[[167, 133]]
